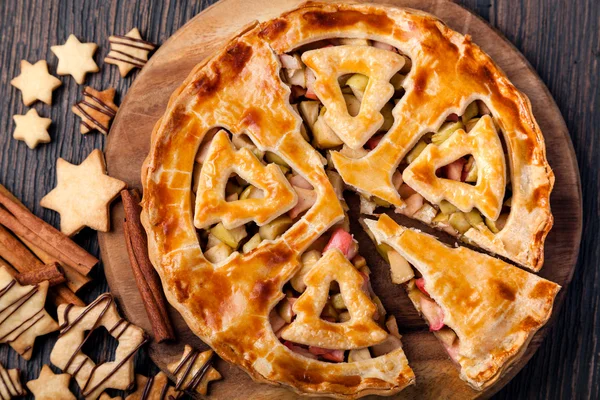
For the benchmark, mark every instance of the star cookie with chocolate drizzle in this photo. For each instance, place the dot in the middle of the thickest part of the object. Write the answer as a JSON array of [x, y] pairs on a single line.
[[128, 51], [22, 314], [97, 109], [194, 371], [152, 388]]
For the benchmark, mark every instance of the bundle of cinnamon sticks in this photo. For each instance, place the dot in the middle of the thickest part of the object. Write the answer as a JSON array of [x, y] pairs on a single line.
[[147, 280], [34, 251]]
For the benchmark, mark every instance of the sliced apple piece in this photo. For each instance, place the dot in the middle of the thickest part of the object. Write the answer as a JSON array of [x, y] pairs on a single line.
[[415, 151], [310, 112], [358, 84], [400, 268], [353, 104], [459, 222], [306, 199], [275, 228], [453, 171], [390, 344], [445, 131], [413, 204], [343, 241], [324, 137], [252, 243], [218, 253], [388, 117], [338, 301], [392, 326], [251, 192], [231, 237], [432, 312], [470, 112], [359, 354], [308, 260]]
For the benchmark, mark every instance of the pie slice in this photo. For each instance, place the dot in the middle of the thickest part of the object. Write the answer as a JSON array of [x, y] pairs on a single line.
[[483, 310]]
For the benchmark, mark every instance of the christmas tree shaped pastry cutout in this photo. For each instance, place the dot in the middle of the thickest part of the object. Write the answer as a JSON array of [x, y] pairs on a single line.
[[83, 194], [223, 160], [76, 326], [484, 144], [310, 329], [51, 386], [375, 65], [194, 371], [483, 310], [22, 314]]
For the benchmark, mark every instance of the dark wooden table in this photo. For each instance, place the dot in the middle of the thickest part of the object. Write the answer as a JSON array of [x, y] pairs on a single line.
[[560, 38]]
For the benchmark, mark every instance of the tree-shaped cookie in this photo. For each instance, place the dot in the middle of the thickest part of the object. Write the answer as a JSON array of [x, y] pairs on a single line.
[[484, 144], [310, 329], [194, 371], [77, 325], [153, 388], [221, 161], [22, 314], [329, 63]]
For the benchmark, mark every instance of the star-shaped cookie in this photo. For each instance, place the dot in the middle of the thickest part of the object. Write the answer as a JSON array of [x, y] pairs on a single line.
[[51, 386], [22, 314], [35, 83], [155, 387], [75, 58], [31, 128], [10, 384], [129, 51], [96, 110], [83, 194]]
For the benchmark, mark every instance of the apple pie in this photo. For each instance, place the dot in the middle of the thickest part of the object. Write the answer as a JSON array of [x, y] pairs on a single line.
[[243, 187]]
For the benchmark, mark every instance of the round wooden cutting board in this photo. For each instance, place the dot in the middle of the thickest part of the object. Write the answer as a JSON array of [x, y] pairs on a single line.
[[129, 142]]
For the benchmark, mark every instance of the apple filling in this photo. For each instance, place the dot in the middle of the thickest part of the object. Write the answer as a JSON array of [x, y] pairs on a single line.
[[444, 216], [335, 310], [300, 78], [404, 274], [218, 242]]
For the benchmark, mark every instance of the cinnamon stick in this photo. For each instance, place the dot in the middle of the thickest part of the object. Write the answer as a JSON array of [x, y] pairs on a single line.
[[74, 280], [22, 222], [21, 259], [146, 278], [52, 273]]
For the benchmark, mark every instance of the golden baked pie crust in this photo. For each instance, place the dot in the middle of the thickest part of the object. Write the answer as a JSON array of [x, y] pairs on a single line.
[[239, 89]]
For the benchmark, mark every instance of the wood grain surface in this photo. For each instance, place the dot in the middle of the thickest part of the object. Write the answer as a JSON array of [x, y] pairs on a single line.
[[559, 38]]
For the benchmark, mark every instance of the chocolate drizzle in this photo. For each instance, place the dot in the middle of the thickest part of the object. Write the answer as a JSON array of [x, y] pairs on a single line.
[[105, 301], [100, 106], [19, 302], [127, 57], [190, 360], [13, 388]]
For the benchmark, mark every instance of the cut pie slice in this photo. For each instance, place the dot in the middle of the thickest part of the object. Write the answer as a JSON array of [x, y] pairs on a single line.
[[483, 310]]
